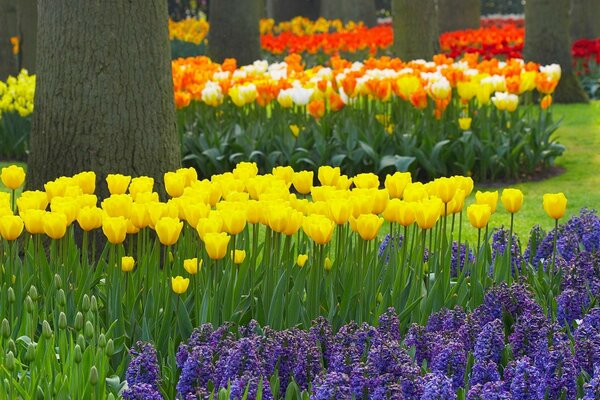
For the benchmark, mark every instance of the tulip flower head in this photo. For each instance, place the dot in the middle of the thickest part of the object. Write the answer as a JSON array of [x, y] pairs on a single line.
[[12, 176], [512, 200], [11, 227], [180, 284], [191, 265], [555, 205], [301, 260], [238, 256], [216, 244], [479, 215], [168, 230], [127, 263]]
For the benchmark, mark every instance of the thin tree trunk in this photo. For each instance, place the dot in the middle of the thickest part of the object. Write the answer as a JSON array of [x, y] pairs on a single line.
[[454, 15], [350, 10], [285, 10], [547, 41], [585, 19], [104, 95], [27, 15], [8, 29], [234, 31], [415, 36]]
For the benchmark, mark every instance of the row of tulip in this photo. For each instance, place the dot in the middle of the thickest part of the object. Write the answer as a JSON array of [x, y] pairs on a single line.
[[241, 246], [431, 118], [16, 105]]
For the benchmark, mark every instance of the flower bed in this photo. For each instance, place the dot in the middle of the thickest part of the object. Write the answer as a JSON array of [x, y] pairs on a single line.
[[16, 106]]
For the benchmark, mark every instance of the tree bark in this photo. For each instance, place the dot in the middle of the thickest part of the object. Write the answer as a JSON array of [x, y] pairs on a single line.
[[8, 29], [234, 30], [285, 10], [104, 95], [415, 33], [27, 16], [454, 15], [585, 19], [547, 41], [350, 10]]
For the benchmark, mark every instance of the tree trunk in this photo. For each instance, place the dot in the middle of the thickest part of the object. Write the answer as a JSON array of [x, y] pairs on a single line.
[[350, 10], [415, 36], [27, 16], [547, 41], [8, 29], [454, 15], [104, 95], [285, 10], [234, 31], [585, 19]]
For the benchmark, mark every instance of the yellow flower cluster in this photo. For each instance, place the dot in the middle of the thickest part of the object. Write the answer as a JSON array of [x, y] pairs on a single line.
[[304, 26], [188, 30], [16, 94]]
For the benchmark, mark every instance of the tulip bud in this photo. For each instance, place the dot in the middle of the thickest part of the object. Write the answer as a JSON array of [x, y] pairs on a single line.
[[5, 328], [11, 346], [328, 264], [89, 330], [57, 281], [85, 306], [81, 341], [78, 321], [30, 353], [46, 330], [9, 361], [94, 376], [110, 397], [11, 295], [101, 341], [61, 298], [110, 348], [62, 321], [77, 355], [94, 304], [29, 307], [33, 293]]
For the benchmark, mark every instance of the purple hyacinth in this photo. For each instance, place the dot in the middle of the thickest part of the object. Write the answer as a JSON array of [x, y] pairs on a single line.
[[499, 243], [530, 334], [332, 386], [490, 342], [536, 236], [459, 257], [484, 371], [570, 306], [524, 380], [142, 391], [390, 244], [438, 386], [592, 388], [587, 341], [417, 337], [197, 371], [249, 383], [559, 371], [389, 326], [143, 367], [489, 391], [450, 358], [320, 332]]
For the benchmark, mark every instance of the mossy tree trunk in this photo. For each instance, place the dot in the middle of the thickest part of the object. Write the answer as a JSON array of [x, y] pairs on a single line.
[[350, 10], [8, 29], [104, 95], [547, 41], [415, 30], [454, 15], [234, 30], [27, 16], [585, 19], [285, 10]]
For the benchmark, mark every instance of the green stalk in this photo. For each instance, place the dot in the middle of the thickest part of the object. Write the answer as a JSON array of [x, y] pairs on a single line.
[[554, 247]]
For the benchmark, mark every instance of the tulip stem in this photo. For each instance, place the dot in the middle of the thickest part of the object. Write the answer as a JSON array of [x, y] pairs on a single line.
[[512, 217], [12, 200], [554, 247], [404, 245]]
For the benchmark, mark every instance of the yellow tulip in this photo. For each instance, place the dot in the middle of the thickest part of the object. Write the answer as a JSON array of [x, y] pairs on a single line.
[[366, 181], [445, 188], [328, 264], [86, 181], [318, 228], [67, 206], [55, 225], [180, 284], [427, 213], [457, 203], [465, 183], [238, 256], [301, 260], [33, 220], [512, 200], [464, 123], [168, 230], [190, 174], [344, 182], [396, 183], [367, 225], [117, 183], [117, 205], [191, 265], [146, 197], [139, 216], [479, 215], [303, 181], [489, 198], [415, 192], [340, 210], [234, 221], [555, 205], [284, 173], [211, 224], [216, 244], [31, 200], [127, 263], [115, 229], [89, 218], [12, 176], [328, 175], [141, 184], [11, 227], [175, 183]]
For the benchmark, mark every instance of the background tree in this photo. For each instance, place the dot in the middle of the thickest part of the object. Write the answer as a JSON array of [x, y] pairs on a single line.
[[27, 17], [454, 15], [285, 10], [547, 41], [415, 36], [585, 19], [8, 29], [234, 30], [104, 95], [350, 10]]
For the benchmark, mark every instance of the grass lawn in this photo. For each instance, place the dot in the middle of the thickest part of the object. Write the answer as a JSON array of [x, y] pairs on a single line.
[[580, 134]]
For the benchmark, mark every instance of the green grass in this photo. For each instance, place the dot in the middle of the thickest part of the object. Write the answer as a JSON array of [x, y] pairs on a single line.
[[580, 134]]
